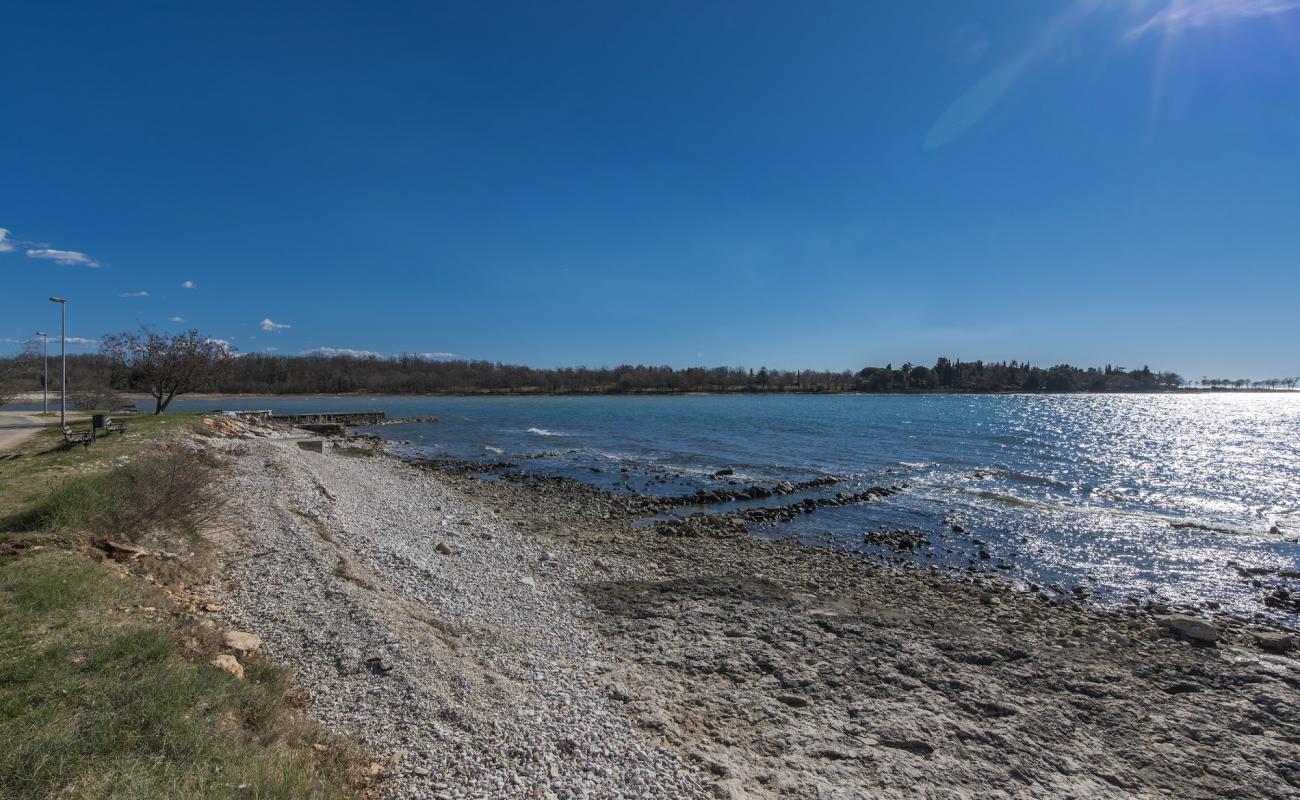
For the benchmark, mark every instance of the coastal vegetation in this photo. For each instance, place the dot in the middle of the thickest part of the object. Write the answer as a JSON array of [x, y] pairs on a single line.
[[109, 684], [167, 366]]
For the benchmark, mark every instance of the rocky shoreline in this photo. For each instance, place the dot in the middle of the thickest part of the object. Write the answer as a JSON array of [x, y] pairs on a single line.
[[526, 638]]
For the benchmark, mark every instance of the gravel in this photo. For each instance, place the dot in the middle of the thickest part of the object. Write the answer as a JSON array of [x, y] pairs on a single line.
[[466, 670]]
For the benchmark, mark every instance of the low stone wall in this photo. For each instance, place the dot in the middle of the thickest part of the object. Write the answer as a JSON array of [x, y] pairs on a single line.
[[351, 419]]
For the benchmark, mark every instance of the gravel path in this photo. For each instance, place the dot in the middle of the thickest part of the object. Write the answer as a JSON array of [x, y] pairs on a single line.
[[16, 427], [470, 673]]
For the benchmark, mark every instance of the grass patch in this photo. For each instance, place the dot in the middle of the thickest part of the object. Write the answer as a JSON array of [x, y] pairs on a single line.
[[38, 465], [173, 488], [100, 703], [102, 698]]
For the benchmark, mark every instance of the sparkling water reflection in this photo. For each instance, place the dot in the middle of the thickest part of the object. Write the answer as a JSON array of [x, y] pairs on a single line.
[[1121, 495]]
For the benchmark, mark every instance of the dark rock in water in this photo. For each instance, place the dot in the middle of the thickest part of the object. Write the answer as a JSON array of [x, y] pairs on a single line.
[[461, 465], [735, 522], [719, 496], [722, 473], [896, 540], [957, 528]]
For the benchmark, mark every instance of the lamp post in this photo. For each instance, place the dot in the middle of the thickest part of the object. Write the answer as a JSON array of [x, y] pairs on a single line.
[[45, 374], [63, 354]]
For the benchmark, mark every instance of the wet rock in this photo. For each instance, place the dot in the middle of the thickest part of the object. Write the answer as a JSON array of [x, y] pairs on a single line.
[[896, 540]]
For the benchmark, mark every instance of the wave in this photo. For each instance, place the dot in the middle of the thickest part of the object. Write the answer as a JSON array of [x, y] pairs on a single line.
[[544, 432], [1178, 523], [491, 449], [1021, 477]]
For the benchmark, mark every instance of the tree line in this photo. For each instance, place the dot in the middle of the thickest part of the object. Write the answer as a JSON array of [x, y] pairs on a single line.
[[168, 365]]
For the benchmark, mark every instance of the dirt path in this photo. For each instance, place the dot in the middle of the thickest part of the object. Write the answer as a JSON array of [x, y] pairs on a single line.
[[18, 426]]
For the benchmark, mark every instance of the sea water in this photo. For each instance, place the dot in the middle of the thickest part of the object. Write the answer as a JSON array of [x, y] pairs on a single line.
[[1186, 498]]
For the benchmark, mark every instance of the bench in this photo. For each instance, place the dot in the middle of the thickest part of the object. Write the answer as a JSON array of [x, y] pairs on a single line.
[[83, 438], [114, 427]]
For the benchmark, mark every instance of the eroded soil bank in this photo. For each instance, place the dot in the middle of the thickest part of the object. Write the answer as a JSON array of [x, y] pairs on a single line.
[[526, 639]]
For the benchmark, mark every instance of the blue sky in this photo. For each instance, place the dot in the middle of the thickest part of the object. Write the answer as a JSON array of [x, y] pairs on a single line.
[[798, 185]]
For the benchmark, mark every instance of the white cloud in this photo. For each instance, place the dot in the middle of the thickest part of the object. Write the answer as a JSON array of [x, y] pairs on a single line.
[[134, 294], [271, 349], [225, 345], [1180, 14], [435, 356], [346, 352], [79, 340], [69, 257], [188, 285], [268, 325], [178, 319], [5, 245]]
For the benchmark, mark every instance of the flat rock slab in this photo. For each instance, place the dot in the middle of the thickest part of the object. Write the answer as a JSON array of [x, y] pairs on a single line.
[[1189, 627], [243, 642]]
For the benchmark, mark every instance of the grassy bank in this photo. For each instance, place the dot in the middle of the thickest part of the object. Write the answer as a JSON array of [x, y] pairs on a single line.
[[106, 685]]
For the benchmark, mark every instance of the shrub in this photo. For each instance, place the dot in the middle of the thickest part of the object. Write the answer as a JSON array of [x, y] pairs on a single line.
[[173, 490]]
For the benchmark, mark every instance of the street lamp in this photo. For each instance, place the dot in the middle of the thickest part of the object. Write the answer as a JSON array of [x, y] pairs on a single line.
[[63, 351], [45, 375]]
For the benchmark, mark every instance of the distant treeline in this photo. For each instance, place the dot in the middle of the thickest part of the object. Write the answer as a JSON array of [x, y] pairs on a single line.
[[274, 374]]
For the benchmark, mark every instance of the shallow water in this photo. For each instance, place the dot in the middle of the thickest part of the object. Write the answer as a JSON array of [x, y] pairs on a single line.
[[1116, 494]]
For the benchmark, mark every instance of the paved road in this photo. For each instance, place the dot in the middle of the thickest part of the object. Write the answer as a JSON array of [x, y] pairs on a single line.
[[15, 426]]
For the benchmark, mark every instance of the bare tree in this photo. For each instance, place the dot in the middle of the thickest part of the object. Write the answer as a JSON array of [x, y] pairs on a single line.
[[13, 370], [10, 369], [166, 366]]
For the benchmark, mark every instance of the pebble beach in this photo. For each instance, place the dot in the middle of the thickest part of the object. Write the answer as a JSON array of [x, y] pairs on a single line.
[[527, 638]]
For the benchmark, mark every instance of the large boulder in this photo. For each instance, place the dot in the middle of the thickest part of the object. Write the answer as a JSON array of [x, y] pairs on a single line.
[[1273, 641], [1191, 628], [243, 642]]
